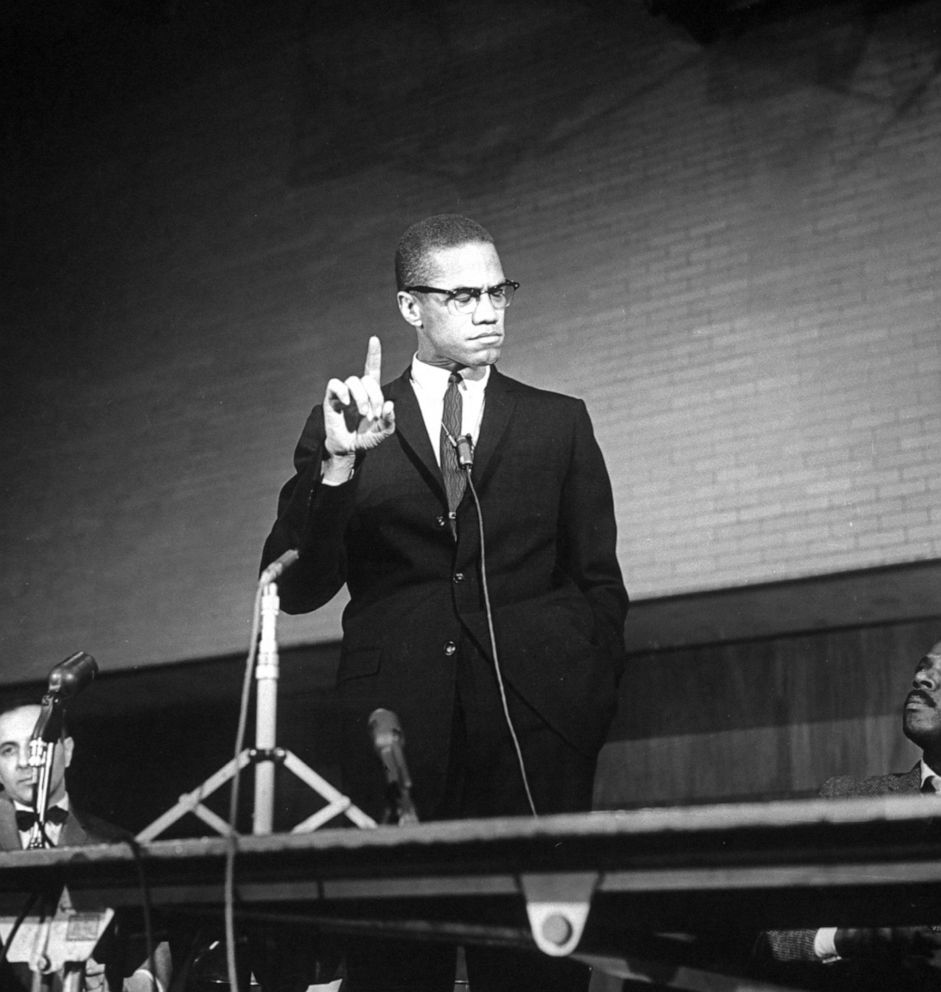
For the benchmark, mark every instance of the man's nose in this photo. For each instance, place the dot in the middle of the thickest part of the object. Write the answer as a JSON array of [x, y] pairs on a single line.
[[925, 679], [485, 312]]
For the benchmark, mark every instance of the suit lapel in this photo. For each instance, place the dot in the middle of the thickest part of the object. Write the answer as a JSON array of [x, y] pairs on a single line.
[[912, 781], [73, 834], [9, 835], [411, 430], [499, 405]]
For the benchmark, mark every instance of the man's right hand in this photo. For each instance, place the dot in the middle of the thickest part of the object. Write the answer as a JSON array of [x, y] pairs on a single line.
[[355, 415], [886, 942]]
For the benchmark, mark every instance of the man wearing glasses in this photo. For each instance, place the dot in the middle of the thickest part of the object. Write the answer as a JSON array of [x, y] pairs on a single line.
[[472, 519]]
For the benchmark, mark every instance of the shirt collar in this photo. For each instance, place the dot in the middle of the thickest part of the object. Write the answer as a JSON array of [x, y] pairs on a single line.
[[926, 771], [434, 380], [63, 802]]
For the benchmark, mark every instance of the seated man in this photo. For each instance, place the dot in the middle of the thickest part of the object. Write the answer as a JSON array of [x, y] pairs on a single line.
[[64, 826], [897, 958]]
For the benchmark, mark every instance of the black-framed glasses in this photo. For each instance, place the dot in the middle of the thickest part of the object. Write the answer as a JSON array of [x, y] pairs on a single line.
[[464, 299]]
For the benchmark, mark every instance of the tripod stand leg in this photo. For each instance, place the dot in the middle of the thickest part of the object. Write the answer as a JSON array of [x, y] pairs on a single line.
[[338, 803], [265, 755], [190, 801]]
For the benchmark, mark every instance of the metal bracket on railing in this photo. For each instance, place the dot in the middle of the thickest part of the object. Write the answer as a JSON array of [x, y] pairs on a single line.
[[557, 906]]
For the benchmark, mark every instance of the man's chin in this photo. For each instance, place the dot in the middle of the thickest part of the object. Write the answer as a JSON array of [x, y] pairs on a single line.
[[921, 731], [489, 356]]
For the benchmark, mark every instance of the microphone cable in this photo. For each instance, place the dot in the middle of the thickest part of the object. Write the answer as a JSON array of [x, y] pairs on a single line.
[[465, 457], [147, 912], [232, 837], [269, 575]]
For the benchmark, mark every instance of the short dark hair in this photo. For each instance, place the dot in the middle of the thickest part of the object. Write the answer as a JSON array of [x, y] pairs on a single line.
[[430, 235]]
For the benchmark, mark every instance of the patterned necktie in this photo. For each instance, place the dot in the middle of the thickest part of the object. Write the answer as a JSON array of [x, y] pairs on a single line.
[[454, 479]]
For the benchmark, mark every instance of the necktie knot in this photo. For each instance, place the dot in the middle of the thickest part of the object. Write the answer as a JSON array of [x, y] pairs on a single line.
[[26, 818]]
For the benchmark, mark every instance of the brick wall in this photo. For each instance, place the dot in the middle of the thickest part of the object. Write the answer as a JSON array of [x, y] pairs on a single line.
[[730, 252]]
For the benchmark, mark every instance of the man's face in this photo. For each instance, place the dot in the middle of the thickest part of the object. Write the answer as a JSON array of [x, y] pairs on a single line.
[[458, 340], [16, 777], [921, 719]]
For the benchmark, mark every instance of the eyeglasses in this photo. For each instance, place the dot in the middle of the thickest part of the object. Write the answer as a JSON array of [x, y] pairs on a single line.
[[464, 299]]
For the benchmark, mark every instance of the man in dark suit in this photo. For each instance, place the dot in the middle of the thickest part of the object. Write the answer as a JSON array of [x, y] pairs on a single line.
[[897, 958], [495, 632], [64, 826]]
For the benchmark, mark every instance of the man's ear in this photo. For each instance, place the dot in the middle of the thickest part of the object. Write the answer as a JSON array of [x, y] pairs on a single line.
[[409, 308], [68, 746]]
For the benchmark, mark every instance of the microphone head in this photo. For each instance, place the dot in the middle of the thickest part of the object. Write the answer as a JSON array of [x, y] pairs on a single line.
[[70, 676], [465, 451], [385, 729], [278, 566]]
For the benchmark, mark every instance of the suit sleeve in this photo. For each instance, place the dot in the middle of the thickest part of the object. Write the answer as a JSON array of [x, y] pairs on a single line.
[[312, 518], [783, 946], [588, 538]]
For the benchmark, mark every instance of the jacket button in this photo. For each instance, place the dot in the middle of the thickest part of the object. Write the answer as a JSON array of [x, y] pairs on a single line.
[[458, 577], [441, 521], [449, 648]]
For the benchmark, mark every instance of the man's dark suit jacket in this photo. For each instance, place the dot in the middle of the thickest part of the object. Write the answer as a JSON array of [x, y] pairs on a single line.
[[79, 830], [790, 953], [554, 582]]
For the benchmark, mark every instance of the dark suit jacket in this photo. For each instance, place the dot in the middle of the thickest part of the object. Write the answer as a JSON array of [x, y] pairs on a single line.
[[789, 954], [844, 786], [79, 830], [554, 582]]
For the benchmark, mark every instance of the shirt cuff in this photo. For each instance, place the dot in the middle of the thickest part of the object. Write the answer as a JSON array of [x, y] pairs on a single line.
[[825, 945], [331, 475]]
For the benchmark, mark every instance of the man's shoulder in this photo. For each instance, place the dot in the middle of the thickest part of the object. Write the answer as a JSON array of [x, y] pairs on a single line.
[[875, 785], [99, 831], [9, 836], [79, 829], [501, 381]]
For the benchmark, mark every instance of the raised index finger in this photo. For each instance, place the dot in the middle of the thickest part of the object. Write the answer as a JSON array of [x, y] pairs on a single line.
[[374, 359]]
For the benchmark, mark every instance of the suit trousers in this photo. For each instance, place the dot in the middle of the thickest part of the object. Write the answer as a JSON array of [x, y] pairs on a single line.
[[484, 780]]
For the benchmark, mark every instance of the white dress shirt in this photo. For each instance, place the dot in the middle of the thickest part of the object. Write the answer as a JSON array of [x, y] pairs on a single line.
[[430, 383]]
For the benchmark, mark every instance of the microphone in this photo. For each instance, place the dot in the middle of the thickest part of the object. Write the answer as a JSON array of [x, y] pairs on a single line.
[[388, 740], [279, 565], [465, 451], [69, 677], [66, 681], [389, 743]]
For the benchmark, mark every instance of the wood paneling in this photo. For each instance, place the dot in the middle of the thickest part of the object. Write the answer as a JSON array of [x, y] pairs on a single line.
[[773, 717]]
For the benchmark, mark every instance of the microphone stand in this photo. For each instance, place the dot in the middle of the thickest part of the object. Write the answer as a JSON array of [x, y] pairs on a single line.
[[50, 945], [266, 756], [267, 674], [400, 809], [42, 746]]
